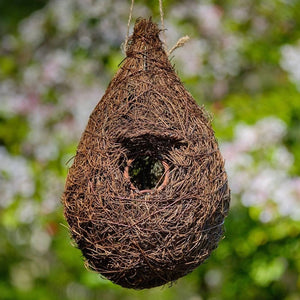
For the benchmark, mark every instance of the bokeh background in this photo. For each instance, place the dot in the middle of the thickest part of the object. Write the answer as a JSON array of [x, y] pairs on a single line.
[[242, 64]]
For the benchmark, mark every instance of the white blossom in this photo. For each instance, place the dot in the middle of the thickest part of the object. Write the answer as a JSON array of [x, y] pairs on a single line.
[[258, 177], [15, 178], [290, 62]]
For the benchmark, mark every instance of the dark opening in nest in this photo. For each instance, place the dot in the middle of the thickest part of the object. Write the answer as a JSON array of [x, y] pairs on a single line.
[[147, 173]]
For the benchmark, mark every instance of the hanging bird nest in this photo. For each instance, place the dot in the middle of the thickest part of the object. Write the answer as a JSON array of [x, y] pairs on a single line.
[[147, 194]]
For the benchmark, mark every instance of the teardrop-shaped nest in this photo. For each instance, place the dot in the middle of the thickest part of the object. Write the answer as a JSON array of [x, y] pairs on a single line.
[[147, 194]]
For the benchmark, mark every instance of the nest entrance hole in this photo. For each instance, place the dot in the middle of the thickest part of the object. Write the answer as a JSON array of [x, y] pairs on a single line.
[[147, 173]]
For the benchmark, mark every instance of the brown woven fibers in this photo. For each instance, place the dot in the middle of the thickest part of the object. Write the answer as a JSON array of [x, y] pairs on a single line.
[[147, 193]]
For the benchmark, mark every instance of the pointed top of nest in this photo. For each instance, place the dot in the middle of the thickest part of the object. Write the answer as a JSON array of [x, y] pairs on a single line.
[[145, 34]]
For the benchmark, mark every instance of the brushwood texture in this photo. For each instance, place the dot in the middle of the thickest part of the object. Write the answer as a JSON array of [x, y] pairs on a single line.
[[142, 239]]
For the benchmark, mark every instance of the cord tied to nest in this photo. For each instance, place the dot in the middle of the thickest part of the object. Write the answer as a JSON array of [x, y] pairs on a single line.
[[180, 43]]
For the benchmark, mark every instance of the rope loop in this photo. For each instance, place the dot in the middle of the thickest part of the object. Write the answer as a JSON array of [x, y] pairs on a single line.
[[125, 44]]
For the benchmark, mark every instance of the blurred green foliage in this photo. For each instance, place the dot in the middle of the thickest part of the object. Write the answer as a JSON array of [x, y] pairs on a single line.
[[57, 57], [14, 10]]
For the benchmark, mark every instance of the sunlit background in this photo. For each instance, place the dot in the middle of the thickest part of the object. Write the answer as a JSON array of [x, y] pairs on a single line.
[[242, 63]]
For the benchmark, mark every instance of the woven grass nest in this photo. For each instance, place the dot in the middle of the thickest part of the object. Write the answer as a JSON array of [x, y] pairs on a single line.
[[147, 194]]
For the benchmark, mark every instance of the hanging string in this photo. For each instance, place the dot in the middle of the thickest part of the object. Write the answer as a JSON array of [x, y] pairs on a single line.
[[128, 25], [179, 43], [162, 23]]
